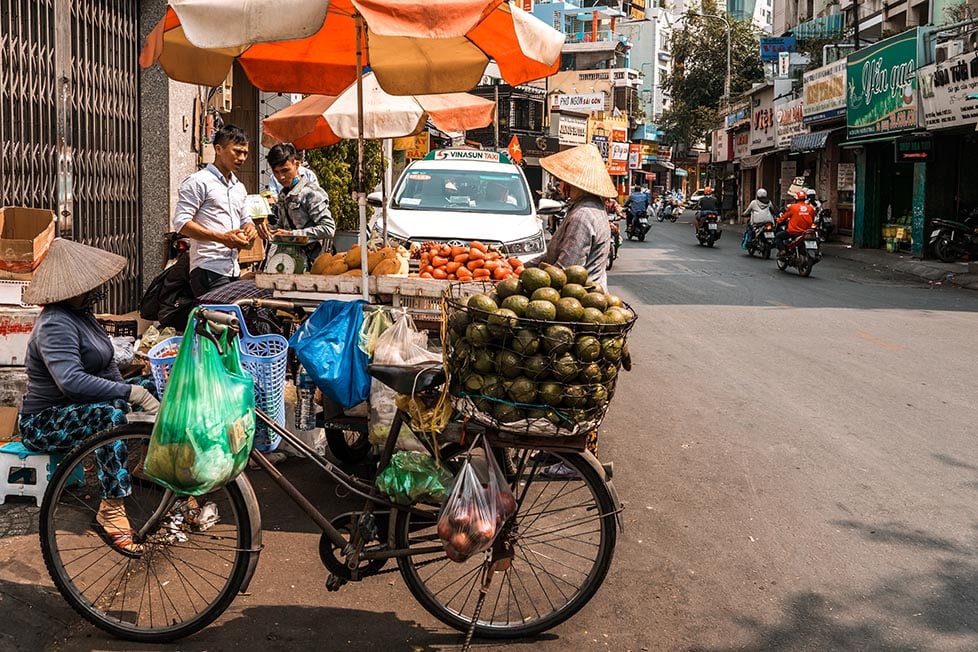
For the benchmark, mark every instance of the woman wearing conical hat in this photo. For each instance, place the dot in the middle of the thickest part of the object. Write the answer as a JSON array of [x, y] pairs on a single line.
[[584, 237], [74, 388]]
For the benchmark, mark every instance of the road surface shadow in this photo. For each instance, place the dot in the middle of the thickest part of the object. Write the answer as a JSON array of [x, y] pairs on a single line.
[[34, 616], [904, 611]]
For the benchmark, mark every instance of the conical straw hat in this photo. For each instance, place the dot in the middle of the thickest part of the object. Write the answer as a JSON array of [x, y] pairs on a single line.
[[581, 166], [71, 269]]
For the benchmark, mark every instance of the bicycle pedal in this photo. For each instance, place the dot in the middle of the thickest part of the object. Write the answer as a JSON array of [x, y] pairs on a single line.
[[334, 582]]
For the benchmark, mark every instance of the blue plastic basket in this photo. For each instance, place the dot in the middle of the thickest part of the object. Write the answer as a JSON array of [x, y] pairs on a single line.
[[262, 356]]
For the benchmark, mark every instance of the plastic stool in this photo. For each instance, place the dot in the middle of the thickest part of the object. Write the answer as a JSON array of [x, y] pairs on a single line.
[[14, 483]]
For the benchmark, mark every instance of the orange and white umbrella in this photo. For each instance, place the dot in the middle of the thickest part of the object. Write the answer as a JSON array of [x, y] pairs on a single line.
[[322, 120], [415, 47]]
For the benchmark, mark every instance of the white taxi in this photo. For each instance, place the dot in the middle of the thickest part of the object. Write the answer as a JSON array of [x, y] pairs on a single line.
[[460, 195]]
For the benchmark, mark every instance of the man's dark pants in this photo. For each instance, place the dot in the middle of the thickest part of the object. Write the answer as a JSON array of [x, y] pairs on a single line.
[[203, 281]]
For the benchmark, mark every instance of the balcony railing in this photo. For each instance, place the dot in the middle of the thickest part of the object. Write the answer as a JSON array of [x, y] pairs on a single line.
[[604, 35]]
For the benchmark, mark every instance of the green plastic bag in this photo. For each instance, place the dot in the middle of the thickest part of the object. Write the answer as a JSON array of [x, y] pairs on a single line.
[[413, 477], [206, 424]]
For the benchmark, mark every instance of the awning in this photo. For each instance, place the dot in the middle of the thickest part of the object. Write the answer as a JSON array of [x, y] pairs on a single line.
[[810, 142], [669, 165], [749, 162], [859, 142]]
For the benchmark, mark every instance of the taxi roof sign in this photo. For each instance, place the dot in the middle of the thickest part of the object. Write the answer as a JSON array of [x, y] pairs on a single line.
[[484, 155]]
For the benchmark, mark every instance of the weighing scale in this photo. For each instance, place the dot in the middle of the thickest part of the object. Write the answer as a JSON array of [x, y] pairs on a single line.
[[289, 255]]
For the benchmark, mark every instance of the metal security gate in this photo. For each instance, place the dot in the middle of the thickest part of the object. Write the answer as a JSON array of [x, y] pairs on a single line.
[[69, 123]]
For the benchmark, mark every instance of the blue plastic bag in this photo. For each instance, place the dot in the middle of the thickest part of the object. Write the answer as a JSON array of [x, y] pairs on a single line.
[[326, 345]]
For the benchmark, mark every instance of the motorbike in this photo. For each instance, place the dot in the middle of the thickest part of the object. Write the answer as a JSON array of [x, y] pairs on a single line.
[[709, 231], [954, 239], [640, 229], [801, 252], [823, 224], [760, 239], [615, 241]]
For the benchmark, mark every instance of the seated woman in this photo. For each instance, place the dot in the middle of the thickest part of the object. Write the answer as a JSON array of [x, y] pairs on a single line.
[[74, 388]]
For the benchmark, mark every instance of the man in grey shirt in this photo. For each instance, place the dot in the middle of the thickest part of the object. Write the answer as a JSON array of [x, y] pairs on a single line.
[[302, 208], [583, 237], [210, 211]]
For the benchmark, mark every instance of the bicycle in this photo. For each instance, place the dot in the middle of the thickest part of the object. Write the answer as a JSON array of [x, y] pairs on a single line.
[[197, 554]]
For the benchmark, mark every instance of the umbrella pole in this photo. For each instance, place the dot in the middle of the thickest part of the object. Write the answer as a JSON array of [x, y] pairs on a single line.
[[361, 177], [386, 182]]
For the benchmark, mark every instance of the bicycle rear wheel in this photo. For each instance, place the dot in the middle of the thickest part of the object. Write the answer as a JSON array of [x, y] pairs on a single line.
[[564, 540], [191, 565]]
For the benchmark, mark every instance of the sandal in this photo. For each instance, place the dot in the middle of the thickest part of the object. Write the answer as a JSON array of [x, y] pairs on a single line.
[[121, 541]]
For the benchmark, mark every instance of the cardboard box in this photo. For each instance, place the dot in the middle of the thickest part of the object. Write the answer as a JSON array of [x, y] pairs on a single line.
[[25, 235], [8, 423], [253, 254]]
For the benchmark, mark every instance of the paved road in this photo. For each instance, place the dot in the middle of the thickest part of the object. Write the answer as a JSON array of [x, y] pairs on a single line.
[[796, 456]]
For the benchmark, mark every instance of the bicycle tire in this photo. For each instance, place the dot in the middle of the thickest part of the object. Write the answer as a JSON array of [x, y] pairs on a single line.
[[348, 446], [67, 514], [421, 572]]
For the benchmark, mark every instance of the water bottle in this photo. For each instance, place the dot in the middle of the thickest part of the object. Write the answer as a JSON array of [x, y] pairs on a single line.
[[305, 408]]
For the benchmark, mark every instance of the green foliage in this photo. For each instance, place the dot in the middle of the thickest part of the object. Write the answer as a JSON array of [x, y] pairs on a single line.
[[696, 83], [336, 168]]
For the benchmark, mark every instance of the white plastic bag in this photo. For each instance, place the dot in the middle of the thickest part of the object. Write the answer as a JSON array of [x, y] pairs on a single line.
[[401, 344]]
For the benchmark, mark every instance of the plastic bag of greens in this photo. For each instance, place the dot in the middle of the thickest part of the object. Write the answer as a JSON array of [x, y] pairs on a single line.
[[413, 477], [206, 424], [374, 324]]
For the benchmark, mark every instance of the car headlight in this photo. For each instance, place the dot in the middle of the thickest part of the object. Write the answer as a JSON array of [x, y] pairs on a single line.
[[532, 245]]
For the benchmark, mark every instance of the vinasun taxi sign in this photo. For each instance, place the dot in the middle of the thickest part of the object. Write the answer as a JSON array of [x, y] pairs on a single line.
[[882, 86], [482, 155]]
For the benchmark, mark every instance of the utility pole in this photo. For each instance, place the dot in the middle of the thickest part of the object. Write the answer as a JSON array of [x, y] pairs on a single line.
[[855, 23]]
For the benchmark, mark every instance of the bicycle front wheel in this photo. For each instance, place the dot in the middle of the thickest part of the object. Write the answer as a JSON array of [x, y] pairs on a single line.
[[193, 559], [564, 539]]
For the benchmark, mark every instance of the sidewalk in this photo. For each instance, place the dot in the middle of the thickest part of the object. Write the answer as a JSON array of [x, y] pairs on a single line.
[[933, 271]]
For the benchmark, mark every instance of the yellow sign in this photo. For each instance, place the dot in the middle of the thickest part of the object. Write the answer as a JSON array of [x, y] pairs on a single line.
[[420, 147], [403, 143]]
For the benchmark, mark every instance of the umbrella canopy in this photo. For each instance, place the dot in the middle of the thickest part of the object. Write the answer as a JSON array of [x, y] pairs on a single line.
[[309, 46], [320, 120]]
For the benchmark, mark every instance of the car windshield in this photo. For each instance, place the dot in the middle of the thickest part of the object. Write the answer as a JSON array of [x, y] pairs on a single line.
[[467, 191]]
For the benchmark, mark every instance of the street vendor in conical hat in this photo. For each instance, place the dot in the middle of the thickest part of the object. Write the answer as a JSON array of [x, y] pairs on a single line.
[[74, 388], [583, 237]]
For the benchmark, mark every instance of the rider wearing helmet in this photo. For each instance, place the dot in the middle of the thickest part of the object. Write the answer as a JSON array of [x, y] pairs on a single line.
[[812, 201], [799, 218], [707, 204], [760, 213]]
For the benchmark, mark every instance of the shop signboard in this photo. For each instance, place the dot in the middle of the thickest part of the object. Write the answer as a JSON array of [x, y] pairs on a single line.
[[882, 83], [634, 156], [915, 148], [741, 144], [664, 153], [825, 92], [762, 128], [572, 130], [949, 92], [721, 146], [739, 114], [789, 168], [790, 118], [419, 148], [585, 103], [846, 181], [601, 142], [618, 163], [772, 45]]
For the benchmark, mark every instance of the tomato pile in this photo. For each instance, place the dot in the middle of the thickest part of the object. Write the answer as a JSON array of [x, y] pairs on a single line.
[[477, 262]]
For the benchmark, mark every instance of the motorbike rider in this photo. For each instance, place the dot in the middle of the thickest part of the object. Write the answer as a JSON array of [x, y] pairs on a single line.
[[759, 211], [812, 200], [708, 204], [637, 205], [799, 218]]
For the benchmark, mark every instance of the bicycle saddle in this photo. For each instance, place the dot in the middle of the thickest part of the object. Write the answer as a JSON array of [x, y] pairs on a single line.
[[408, 379]]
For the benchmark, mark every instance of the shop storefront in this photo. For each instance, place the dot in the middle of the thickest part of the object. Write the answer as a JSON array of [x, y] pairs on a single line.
[[833, 168], [882, 105]]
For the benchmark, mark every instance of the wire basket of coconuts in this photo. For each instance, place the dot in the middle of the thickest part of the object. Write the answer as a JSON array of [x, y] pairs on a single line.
[[538, 354]]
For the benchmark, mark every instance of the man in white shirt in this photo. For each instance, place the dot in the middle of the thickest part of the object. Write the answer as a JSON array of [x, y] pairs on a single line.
[[210, 211]]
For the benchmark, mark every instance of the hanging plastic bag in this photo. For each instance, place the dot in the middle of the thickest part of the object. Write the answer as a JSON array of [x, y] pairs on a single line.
[[401, 344], [413, 477], [206, 424], [477, 507], [374, 324], [326, 345]]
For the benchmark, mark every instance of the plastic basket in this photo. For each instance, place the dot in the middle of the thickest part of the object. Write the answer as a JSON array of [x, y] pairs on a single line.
[[485, 393], [262, 356]]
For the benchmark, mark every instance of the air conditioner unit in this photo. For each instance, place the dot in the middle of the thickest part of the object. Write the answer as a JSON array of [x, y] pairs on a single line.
[[948, 50], [221, 100]]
